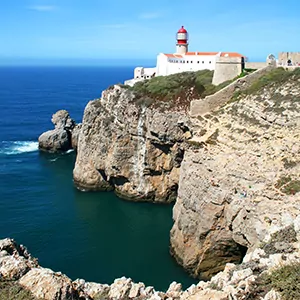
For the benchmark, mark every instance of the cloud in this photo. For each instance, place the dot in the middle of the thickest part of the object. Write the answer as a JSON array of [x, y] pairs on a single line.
[[150, 16], [42, 7]]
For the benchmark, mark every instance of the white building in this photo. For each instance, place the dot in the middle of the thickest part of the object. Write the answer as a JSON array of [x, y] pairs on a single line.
[[182, 60]]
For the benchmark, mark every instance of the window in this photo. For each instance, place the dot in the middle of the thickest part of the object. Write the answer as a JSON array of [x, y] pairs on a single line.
[[210, 62], [187, 61], [203, 61], [191, 61], [198, 62]]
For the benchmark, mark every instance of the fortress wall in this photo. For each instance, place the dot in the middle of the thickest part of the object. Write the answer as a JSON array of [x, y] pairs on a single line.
[[284, 57], [210, 103], [226, 68], [255, 65]]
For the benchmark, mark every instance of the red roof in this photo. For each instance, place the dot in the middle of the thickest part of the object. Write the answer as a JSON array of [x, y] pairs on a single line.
[[222, 54], [231, 54], [182, 30], [173, 55]]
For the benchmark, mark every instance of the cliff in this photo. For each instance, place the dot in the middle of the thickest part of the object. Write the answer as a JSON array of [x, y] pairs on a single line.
[[132, 138], [234, 172], [240, 182], [129, 147]]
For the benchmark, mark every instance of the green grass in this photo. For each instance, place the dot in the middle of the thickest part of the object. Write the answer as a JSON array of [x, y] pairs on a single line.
[[276, 76], [11, 290], [176, 90]]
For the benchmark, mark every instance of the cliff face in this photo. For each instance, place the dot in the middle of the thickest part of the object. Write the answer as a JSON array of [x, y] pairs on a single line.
[[240, 182], [130, 147]]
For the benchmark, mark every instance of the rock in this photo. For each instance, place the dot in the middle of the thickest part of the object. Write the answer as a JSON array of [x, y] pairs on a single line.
[[48, 285], [61, 138], [120, 288], [15, 261], [55, 140], [135, 290], [272, 295], [174, 290], [240, 275], [13, 268], [209, 295], [90, 289], [242, 162], [62, 120], [130, 148], [75, 136]]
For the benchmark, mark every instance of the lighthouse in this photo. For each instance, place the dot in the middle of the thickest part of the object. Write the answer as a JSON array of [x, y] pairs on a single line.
[[182, 41], [226, 65]]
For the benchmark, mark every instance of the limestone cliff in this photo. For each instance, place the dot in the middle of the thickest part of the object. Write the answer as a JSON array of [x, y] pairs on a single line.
[[240, 180], [127, 146]]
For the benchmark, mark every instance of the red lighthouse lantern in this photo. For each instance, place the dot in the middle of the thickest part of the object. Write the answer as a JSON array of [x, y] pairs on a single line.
[[182, 40]]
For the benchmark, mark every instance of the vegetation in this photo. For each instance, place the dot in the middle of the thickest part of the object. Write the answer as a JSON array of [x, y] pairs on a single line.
[[275, 76], [11, 290], [281, 241], [285, 280], [212, 139], [288, 185], [175, 90]]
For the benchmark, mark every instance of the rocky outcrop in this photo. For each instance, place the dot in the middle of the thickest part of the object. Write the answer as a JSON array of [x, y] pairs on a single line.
[[239, 182], [63, 137], [245, 281], [127, 146]]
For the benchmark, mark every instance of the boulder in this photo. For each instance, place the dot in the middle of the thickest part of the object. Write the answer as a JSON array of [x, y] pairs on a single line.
[[46, 284], [61, 138]]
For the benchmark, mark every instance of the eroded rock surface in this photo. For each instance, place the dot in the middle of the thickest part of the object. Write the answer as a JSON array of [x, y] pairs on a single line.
[[239, 182], [125, 146], [63, 137], [235, 282]]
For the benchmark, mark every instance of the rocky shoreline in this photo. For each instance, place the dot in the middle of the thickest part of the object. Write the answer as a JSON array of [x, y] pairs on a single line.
[[236, 282], [225, 169]]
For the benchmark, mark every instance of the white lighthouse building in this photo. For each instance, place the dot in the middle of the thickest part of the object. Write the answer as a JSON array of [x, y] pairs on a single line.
[[230, 64]]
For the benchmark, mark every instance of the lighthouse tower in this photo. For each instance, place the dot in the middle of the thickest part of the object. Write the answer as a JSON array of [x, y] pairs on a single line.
[[182, 41]]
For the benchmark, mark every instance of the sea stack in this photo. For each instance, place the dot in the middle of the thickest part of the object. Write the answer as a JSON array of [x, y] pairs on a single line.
[[63, 137]]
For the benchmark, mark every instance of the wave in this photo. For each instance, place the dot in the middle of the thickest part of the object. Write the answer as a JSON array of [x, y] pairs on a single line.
[[69, 151], [18, 147]]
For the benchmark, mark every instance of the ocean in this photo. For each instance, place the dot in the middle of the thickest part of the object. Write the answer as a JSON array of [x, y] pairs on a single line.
[[94, 236]]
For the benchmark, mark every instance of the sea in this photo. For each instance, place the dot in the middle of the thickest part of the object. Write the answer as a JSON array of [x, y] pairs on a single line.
[[91, 235]]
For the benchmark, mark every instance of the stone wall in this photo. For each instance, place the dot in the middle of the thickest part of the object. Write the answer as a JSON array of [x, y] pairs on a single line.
[[289, 59], [210, 103], [227, 68], [255, 65]]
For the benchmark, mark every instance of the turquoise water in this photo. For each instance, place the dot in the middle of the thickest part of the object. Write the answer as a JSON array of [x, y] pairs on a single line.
[[95, 236]]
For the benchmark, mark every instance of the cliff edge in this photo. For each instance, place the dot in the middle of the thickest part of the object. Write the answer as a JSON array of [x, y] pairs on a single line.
[[240, 181], [131, 148]]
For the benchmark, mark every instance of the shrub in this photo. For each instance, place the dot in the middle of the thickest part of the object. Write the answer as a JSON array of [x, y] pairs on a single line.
[[176, 89], [288, 185], [275, 76], [11, 290], [285, 280]]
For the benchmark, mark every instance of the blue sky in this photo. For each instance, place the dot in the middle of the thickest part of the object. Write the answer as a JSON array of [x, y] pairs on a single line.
[[83, 30]]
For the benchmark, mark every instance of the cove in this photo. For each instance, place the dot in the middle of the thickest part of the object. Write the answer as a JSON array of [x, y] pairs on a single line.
[[94, 236]]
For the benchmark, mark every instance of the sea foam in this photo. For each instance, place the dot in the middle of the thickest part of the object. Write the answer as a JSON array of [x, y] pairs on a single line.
[[18, 147]]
